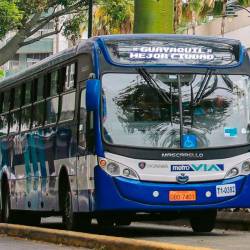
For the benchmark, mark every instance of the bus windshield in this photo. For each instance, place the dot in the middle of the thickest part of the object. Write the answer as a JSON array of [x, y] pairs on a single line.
[[159, 110]]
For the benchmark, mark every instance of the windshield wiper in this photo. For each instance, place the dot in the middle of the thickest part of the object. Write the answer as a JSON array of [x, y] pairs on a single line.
[[203, 87], [153, 84]]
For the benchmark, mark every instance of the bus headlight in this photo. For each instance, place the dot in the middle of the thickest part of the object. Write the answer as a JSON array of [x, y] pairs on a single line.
[[113, 168], [117, 169], [242, 168], [245, 167], [232, 173]]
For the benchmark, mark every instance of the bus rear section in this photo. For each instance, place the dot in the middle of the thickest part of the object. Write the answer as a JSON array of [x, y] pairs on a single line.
[[171, 122]]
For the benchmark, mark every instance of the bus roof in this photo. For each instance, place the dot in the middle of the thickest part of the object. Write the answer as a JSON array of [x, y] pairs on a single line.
[[102, 41]]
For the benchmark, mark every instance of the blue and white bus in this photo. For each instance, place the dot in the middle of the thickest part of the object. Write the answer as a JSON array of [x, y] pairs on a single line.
[[128, 125]]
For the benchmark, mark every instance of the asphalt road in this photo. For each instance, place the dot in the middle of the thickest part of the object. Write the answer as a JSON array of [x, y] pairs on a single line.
[[11, 243], [218, 238]]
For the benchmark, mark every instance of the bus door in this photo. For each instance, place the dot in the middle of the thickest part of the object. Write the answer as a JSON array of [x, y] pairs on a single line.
[[84, 160]]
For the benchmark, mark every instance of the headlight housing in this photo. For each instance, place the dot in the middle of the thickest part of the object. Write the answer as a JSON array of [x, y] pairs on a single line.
[[117, 169], [242, 168]]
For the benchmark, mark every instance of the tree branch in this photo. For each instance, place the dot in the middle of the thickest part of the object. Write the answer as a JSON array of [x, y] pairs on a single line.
[[43, 21], [62, 12], [40, 37]]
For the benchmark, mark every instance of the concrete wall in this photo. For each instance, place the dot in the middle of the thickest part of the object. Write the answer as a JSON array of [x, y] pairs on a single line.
[[235, 27]]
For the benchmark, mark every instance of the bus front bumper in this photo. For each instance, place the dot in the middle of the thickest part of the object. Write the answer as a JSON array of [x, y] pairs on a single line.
[[118, 193]]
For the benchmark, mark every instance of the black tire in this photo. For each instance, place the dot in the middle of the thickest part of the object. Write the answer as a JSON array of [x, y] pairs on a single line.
[[67, 211], [123, 222], [203, 221], [71, 220], [105, 220], [124, 219], [28, 219], [7, 214]]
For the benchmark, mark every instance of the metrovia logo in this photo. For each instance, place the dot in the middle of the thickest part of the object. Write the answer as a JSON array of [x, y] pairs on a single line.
[[197, 167]]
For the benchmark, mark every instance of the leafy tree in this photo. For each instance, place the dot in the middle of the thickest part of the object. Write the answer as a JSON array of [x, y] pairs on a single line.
[[26, 17], [1, 73], [154, 16], [113, 17]]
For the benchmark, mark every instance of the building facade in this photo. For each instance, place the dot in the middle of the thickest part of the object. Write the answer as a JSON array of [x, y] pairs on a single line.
[[32, 53]]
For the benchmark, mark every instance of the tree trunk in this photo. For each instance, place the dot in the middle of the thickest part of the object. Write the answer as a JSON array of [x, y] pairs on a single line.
[[154, 16], [10, 48]]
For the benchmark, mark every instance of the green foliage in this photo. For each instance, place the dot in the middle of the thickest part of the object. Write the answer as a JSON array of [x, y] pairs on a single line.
[[14, 14], [2, 73], [26, 17], [153, 16], [113, 16], [245, 3], [218, 7], [10, 16], [73, 27]]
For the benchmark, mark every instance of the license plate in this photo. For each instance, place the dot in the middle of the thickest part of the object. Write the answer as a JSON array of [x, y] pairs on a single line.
[[182, 195], [225, 190]]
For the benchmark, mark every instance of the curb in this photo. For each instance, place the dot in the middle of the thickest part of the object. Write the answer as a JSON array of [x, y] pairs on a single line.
[[87, 240]]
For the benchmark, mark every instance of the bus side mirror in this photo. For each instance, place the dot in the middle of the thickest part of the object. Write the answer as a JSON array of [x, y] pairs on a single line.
[[93, 94]]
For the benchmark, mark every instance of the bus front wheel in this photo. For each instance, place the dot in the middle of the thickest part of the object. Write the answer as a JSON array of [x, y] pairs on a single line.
[[203, 221], [6, 215], [72, 220]]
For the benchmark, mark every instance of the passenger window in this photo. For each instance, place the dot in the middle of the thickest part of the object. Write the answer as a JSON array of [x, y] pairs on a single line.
[[14, 122], [70, 77], [6, 101], [51, 110], [38, 114], [18, 97], [83, 120], [25, 119], [67, 106], [3, 124], [27, 93], [1, 102], [53, 83], [39, 88]]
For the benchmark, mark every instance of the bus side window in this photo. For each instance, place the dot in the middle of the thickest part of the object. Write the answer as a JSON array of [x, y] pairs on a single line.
[[67, 106], [70, 77], [52, 99], [39, 103], [3, 124], [26, 106], [14, 116], [68, 94], [6, 101], [51, 110], [82, 119], [28, 93], [17, 102], [25, 118]]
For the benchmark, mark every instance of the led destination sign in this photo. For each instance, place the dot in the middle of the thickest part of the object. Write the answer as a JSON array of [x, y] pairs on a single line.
[[141, 52], [174, 53]]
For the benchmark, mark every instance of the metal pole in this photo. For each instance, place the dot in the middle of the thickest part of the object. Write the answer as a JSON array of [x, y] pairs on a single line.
[[90, 18]]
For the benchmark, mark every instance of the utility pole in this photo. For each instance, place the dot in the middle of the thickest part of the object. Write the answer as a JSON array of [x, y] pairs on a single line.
[[90, 18]]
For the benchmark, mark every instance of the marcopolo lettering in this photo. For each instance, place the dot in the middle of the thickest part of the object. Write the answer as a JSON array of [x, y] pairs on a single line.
[[197, 167], [190, 155]]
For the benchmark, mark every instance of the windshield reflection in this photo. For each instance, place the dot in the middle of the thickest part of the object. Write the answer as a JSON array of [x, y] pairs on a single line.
[[213, 108]]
